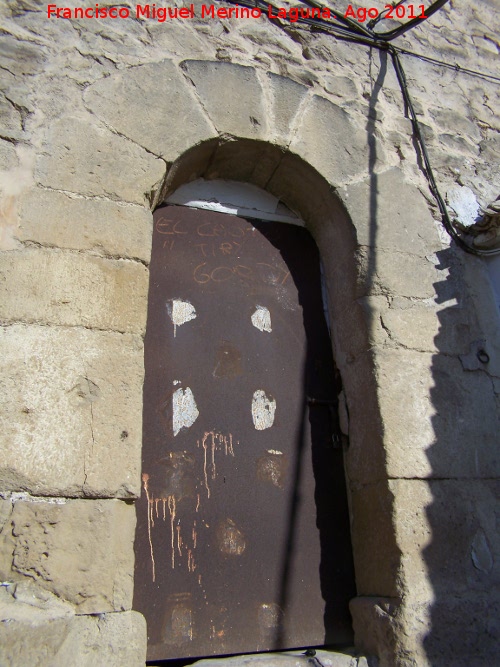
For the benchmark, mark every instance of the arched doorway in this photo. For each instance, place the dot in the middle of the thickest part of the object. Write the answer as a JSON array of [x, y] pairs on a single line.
[[243, 533]]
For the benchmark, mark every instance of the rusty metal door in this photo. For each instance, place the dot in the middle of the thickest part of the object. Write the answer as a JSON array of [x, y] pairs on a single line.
[[243, 536]]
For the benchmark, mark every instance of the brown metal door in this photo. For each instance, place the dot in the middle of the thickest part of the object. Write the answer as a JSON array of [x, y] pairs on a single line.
[[243, 535]]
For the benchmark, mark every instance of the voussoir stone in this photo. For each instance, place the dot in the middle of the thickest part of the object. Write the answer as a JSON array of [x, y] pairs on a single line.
[[52, 218], [287, 96], [152, 105], [86, 159], [330, 141], [64, 288], [389, 213], [72, 411], [81, 550], [231, 95]]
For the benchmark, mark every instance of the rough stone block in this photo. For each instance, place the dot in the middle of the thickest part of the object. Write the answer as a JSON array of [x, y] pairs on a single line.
[[376, 553], [72, 411], [287, 96], [416, 325], [43, 632], [11, 120], [20, 57], [439, 421], [283, 659], [365, 456], [461, 632], [376, 628], [73, 289], [396, 273], [86, 159], [331, 142], [447, 533], [8, 157], [390, 214], [109, 228], [79, 550], [152, 105], [231, 95]]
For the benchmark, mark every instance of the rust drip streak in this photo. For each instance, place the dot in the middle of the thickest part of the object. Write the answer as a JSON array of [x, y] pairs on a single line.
[[179, 539], [145, 478], [217, 442], [164, 501], [172, 510], [197, 501], [157, 500], [194, 535], [204, 444], [213, 474]]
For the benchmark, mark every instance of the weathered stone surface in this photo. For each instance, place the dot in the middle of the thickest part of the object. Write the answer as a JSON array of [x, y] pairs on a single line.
[[20, 58], [377, 555], [376, 628], [447, 528], [11, 119], [438, 421], [244, 160], [42, 635], [417, 325], [287, 96], [86, 159], [8, 156], [460, 631], [342, 87], [365, 456], [390, 214], [285, 659], [48, 84], [231, 95], [331, 142], [54, 287], [71, 413], [105, 227], [396, 273], [80, 550], [153, 106]]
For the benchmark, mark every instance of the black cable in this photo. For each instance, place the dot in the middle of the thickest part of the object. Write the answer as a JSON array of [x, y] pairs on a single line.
[[354, 25], [400, 30], [380, 40], [373, 22], [398, 68], [456, 67]]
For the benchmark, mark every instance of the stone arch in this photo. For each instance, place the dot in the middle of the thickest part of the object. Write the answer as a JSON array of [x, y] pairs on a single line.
[[306, 192], [221, 120]]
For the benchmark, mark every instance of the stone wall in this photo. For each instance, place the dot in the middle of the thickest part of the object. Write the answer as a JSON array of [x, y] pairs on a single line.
[[100, 120]]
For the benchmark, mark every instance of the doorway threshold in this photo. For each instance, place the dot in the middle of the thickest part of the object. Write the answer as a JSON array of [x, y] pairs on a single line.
[[301, 658]]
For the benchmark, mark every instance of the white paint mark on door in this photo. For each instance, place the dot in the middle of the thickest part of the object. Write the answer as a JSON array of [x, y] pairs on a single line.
[[185, 411], [180, 312], [263, 409], [261, 319]]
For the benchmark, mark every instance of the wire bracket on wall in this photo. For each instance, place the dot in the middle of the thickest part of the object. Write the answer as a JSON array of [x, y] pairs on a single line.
[[482, 238]]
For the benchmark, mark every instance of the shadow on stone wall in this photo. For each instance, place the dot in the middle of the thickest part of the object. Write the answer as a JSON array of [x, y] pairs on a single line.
[[463, 620]]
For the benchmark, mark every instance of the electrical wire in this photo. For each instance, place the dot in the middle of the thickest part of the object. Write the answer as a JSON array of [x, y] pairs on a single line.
[[442, 63], [352, 31]]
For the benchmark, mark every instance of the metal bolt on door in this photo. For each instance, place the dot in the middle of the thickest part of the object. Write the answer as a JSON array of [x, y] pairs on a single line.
[[243, 536]]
